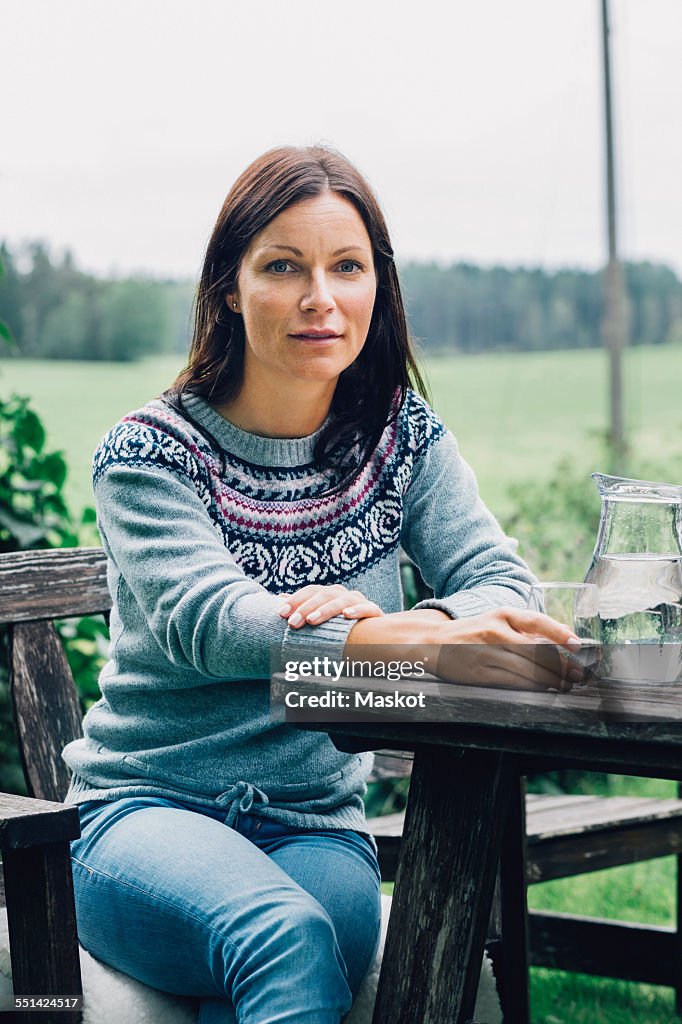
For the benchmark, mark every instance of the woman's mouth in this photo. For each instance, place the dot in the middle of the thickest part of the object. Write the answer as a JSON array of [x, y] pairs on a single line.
[[315, 337]]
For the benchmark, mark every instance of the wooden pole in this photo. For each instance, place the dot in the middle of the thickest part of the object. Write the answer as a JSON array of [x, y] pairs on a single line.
[[614, 322]]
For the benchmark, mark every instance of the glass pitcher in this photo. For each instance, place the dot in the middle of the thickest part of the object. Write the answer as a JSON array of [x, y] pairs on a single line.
[[637, 566]]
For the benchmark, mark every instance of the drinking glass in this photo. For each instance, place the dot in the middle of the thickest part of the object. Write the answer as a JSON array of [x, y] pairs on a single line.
[[576, 605]]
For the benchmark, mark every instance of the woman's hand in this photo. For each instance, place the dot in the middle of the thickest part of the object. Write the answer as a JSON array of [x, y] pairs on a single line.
[[510, 647], [312, 605], [525, 650]]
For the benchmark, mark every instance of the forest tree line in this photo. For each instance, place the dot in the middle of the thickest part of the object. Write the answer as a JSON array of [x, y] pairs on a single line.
[[56, 311]]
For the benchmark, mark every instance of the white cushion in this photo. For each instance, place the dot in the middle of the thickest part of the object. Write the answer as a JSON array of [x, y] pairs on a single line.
[[111, 997], [488, 1009]]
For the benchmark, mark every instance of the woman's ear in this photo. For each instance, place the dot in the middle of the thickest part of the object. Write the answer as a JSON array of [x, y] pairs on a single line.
[[232, 301]]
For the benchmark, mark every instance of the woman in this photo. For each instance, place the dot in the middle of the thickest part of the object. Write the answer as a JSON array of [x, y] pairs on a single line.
[[257, 510]]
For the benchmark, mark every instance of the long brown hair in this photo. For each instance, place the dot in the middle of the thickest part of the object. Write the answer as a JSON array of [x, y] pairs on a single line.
[[371, 391]]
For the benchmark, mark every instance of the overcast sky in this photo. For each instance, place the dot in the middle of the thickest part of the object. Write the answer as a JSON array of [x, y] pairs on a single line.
[[479, 122]]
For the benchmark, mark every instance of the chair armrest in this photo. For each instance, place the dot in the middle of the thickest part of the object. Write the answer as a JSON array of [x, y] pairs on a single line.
[[41, 914], [26, 821]]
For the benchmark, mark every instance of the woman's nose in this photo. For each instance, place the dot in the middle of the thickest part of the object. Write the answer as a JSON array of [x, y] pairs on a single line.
[[318, 294]]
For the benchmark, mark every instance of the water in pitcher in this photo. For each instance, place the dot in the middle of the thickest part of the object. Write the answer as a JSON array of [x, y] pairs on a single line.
[[640, 608]]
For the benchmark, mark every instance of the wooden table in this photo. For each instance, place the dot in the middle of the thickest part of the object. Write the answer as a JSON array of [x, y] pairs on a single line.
[[471, 746]]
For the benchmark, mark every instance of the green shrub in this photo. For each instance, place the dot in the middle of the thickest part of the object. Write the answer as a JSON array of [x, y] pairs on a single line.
[[34, 515]]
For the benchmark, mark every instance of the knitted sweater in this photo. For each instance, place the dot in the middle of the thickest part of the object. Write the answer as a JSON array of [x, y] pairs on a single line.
[[200, 547]]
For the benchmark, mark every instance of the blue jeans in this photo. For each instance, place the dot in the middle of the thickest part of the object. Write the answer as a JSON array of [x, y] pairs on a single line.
[[259, 921]]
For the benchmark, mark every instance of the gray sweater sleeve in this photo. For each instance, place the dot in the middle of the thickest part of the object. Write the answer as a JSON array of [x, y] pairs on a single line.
[[456, 542], [198, 604]]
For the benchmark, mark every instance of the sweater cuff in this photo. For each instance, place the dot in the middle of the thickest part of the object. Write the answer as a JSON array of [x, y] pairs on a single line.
[[460, 605], [328, 638]]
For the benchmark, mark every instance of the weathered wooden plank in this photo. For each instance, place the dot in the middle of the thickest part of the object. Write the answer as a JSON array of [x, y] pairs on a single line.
[[43, 694], [620, 839], [387, 824], [582, 852], [581, 712], [390, 765], [391, 824], [597, 814], [625, 748], [61, 583], [539, 802], [512, 954], [41, 920], [571, 859], [443, 888], [25, 821], [614, 949]]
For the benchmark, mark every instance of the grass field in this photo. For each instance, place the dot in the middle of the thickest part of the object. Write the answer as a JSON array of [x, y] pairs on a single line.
[[514, 414]]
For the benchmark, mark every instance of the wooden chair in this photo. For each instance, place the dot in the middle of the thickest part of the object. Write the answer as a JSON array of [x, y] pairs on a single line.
[[35, 831]]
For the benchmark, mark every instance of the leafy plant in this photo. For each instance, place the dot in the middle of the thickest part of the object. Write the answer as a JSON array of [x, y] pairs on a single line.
[[34, 515], [556, 522]]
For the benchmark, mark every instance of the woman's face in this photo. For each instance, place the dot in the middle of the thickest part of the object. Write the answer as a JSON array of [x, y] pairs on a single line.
[[306, 290]]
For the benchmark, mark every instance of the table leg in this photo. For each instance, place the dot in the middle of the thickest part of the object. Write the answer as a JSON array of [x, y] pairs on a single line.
[[444, 887], [511, 968]]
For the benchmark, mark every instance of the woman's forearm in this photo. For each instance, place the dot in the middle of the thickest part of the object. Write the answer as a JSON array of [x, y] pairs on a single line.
[[420, 626]]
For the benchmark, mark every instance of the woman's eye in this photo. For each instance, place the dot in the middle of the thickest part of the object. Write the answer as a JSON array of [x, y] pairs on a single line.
[[279, 266], [349, 266]]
